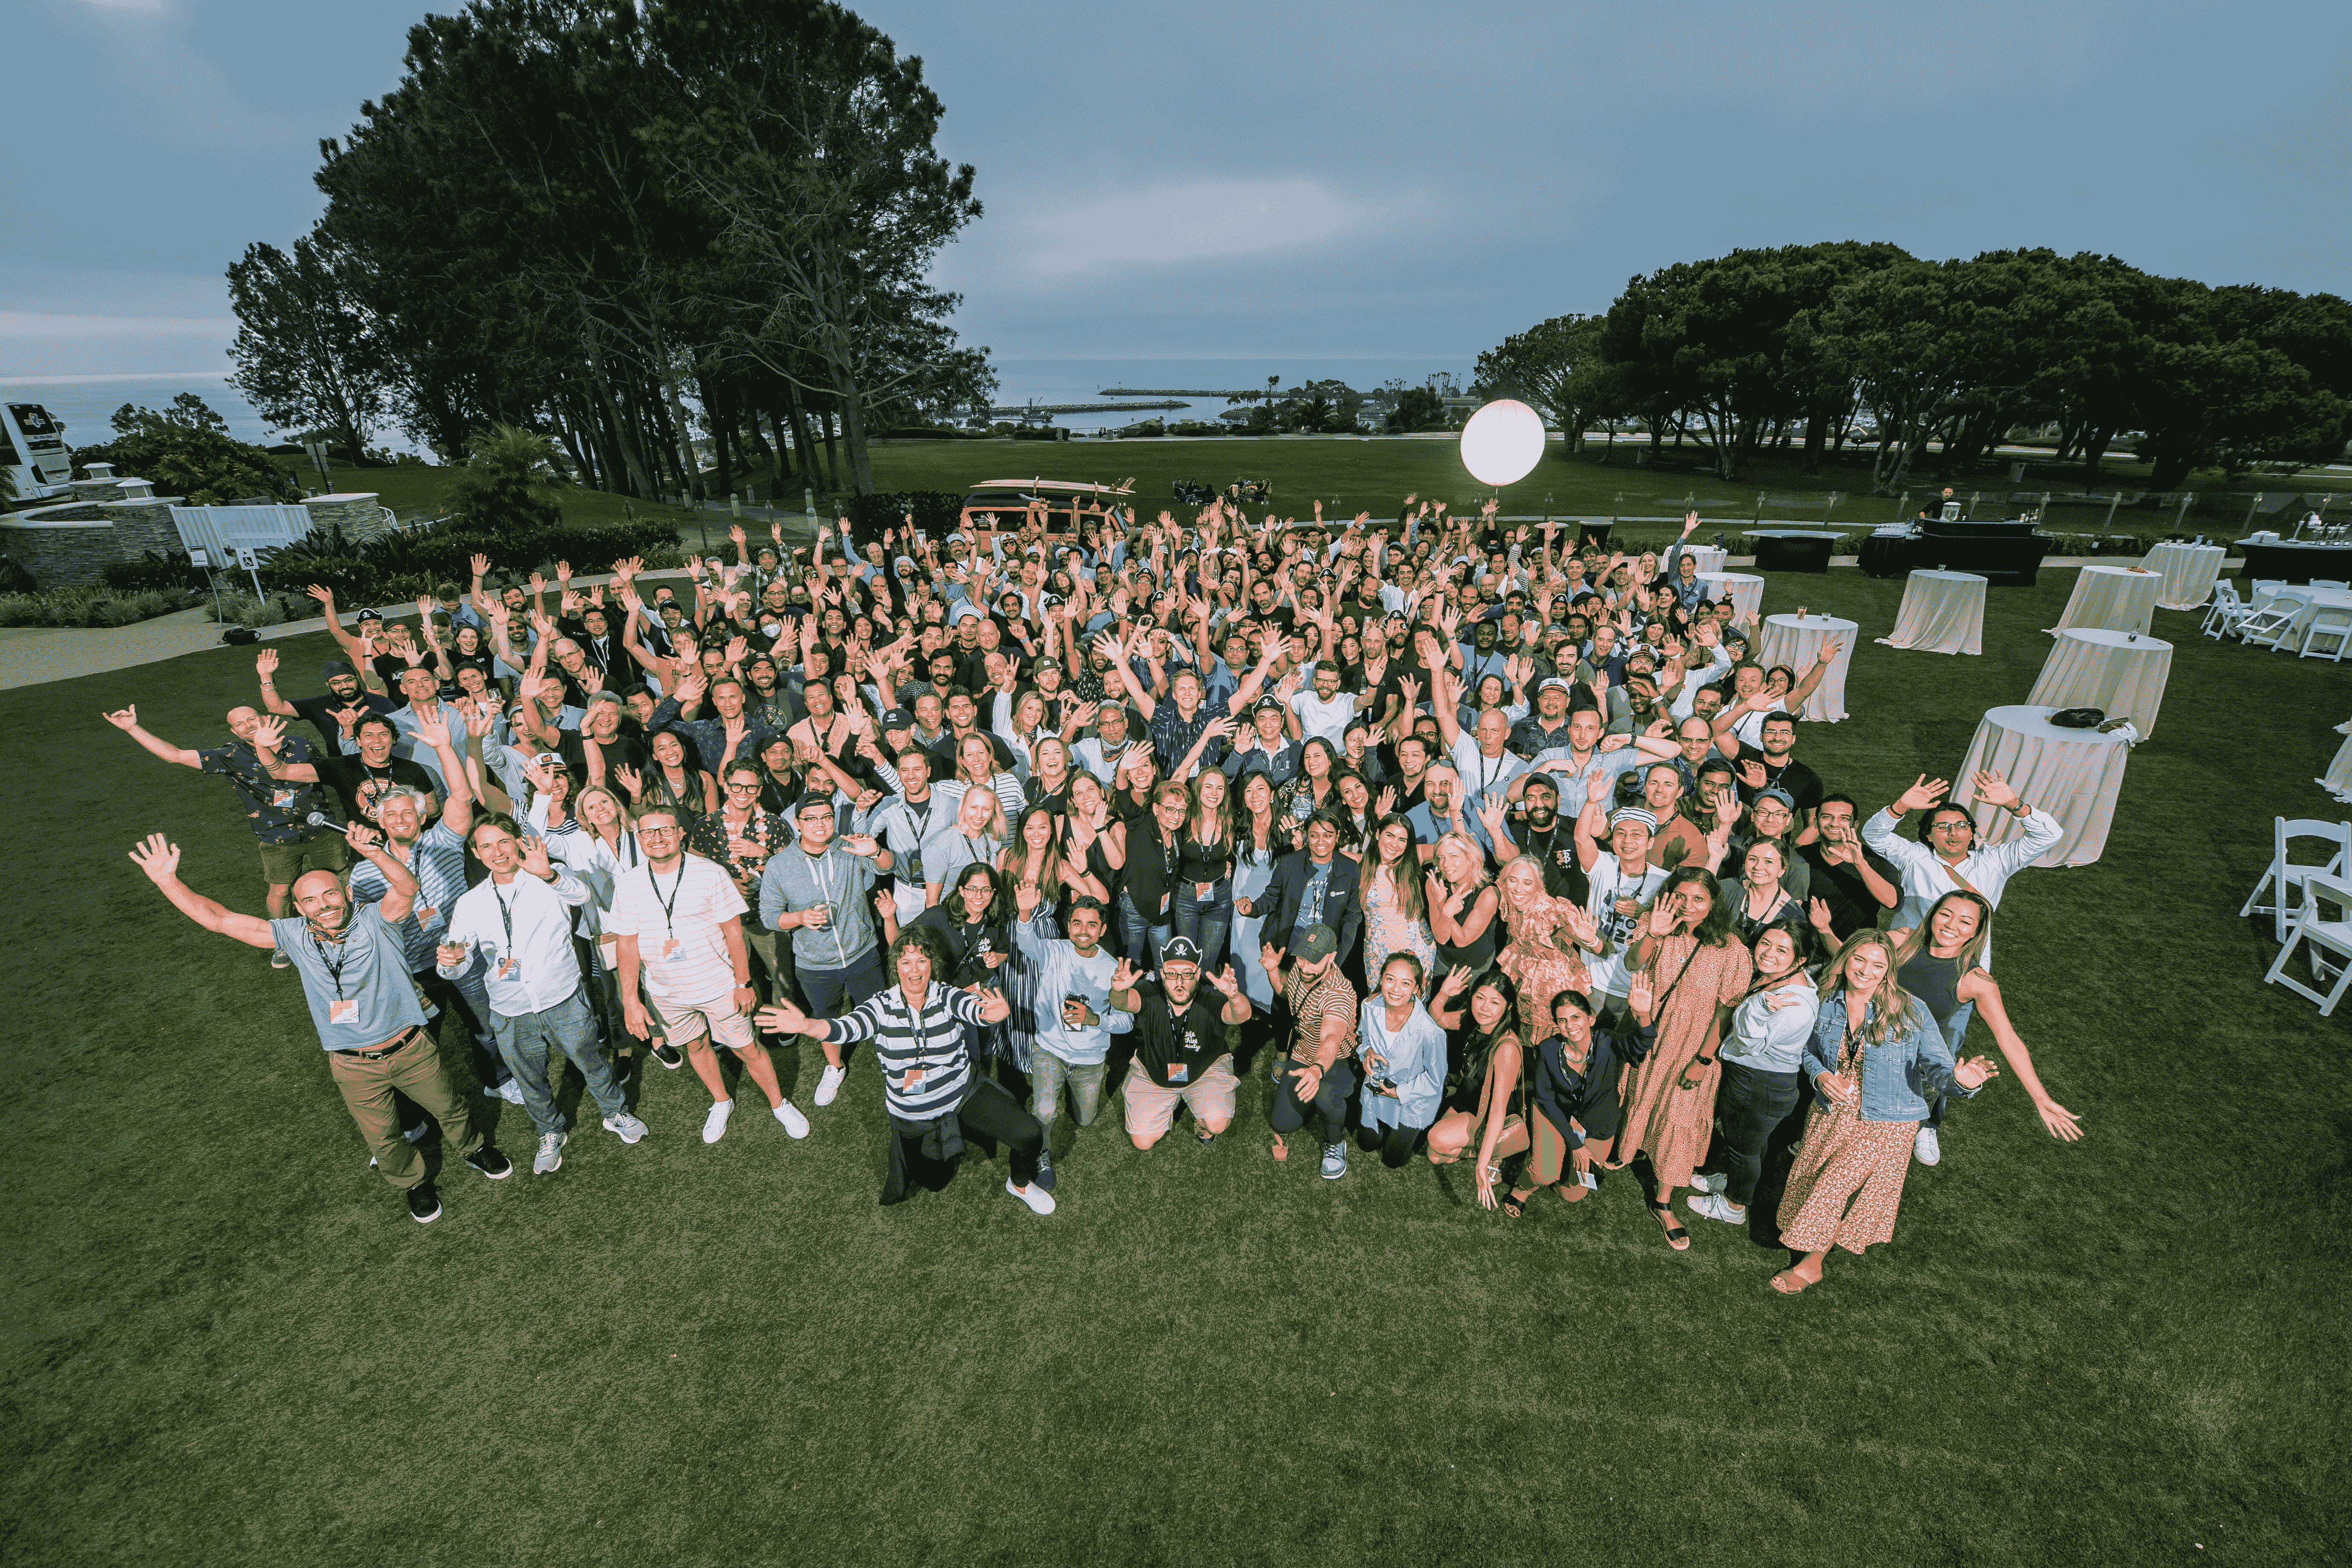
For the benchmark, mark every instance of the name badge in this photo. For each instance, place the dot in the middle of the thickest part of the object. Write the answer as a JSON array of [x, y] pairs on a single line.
[[1180, 1072], [424, 916], [912, 1081], [671, 948], [507, 967], [341, 1012], [1204, 889]]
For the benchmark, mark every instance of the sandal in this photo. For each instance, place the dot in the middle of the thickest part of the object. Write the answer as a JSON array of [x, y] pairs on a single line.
[[1677, 1236], [1515, 1204], [1800, 1285]]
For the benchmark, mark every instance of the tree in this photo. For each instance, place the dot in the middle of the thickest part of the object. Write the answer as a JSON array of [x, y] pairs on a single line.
[[1417, 409], [186, 411], [1556, 365], [307, 354], [504, 487], [207, 467]]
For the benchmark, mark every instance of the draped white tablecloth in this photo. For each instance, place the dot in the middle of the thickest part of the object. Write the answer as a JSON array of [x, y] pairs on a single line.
[[1943, 612], [2190, 571], [1746, 590], [2090, 667], [2072, 774], [2338, 780], [2121, 598], [2319, 599], [1710, 557], [1797, 644]]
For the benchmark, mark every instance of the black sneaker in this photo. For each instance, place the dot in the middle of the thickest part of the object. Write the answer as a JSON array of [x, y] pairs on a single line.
[[490, 1162], [424, 1203], [667, 1054]]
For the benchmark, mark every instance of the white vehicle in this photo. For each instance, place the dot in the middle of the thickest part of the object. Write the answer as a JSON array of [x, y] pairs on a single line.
[[33, 449]]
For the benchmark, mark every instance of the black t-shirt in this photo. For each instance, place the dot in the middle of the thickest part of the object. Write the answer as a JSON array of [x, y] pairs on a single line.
[[1851, 906], [623, 751], [969, 942], [1177, 1049], [1556, 848], [1801, 781], [356, 784], [321, 712]]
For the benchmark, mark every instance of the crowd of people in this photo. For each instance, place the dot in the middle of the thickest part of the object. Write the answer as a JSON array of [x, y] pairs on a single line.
[[1459, 842]]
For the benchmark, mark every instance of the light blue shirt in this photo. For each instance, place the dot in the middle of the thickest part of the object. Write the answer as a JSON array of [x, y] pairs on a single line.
[[1413, 1058]]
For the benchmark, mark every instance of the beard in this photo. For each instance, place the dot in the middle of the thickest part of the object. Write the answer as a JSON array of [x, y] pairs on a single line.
[[1541, 820]]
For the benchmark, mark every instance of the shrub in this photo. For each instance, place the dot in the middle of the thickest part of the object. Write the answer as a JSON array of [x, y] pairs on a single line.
[[92, 606], [205, 466], [152, 571]]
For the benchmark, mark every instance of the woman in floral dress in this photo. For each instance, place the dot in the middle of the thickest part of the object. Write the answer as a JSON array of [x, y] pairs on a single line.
[[1394, 919], [1541, 957], [1688, 972], [1877, 1062]]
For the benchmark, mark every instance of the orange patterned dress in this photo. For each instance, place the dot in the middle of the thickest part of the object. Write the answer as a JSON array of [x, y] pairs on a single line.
[[1672, 1124], [1538, 964], [1847, 1180]]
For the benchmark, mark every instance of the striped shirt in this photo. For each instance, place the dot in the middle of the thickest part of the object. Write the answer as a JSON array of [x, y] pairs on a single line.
[[438, 864], [925, 1067], [1312, 1000]]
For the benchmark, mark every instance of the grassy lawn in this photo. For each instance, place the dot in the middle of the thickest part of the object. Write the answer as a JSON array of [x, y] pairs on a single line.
[[1349, 476], [230, 1345]]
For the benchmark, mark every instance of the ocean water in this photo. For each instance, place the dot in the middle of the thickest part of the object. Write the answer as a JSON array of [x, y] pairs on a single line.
[[86, 404]]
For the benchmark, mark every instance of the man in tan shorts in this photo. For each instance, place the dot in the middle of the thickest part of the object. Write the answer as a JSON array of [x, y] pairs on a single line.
[[1179, 1049], [679, 920]]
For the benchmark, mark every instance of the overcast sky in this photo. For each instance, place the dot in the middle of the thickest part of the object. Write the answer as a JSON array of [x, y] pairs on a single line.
[[1236, 180]]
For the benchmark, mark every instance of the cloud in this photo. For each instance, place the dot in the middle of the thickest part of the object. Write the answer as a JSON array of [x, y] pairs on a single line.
[[1181, 222], [43, 344], [43, 326]]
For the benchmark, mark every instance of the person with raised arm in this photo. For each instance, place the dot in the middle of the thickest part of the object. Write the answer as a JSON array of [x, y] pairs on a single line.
[[1876, 1060], [355, 974], [1938, 964], [1949, 858]]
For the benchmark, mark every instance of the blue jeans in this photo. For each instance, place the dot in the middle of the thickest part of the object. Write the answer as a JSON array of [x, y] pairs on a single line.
[[531, 1043], [1206, 921], [467, 1000], [1956, 1035], [1141, 941], [825, 988]]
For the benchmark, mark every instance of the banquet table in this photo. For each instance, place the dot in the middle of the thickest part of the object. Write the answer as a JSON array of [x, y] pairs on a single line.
[[1943, 612], [2090, 667], [1744, 590], [2314, 601], [1710, 557], [2072, 774], [1798, 643], [2189, 570], [1793, 549], [2120, 598], [2276, 560]]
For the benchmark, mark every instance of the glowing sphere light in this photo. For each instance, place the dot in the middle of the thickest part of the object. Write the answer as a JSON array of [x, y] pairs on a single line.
[[1503, 442]]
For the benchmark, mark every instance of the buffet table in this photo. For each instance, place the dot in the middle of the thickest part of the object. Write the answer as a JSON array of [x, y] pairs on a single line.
[[1793, 549], [2290, 560], [2120, 598], [1943, 612], [2072, 774], [2120, 674]]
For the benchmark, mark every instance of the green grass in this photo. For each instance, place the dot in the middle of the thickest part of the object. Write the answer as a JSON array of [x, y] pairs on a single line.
[[230, 1345]]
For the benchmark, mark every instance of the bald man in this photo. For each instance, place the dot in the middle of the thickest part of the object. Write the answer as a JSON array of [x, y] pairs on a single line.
[[355, 972], [279, 809]]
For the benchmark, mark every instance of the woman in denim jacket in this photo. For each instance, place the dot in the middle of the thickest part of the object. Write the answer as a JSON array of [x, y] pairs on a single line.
[[1876, 1062]]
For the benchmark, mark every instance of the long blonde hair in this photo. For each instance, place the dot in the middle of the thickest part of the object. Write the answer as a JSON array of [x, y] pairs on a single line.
[[1891, 1007]]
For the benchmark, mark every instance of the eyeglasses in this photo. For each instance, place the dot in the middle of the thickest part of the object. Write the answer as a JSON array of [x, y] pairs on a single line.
[[657, 832], [743, 788]]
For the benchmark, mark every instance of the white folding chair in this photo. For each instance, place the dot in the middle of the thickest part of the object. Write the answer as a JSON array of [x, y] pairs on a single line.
[[2288, 877], [2330, 623], [2323, 583], [2263, 588], [2271, 618], [2317, 936], [2227, 611]]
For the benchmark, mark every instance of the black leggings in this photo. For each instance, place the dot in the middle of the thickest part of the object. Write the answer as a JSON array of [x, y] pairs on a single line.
[[1330, 1107], [1396, 1145], [987, 1116]]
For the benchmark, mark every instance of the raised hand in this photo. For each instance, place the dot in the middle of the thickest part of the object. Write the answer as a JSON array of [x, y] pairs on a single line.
[[265, 663], [325, 596], [432, 732], [1992, 789], [1751, 772], [362, 838], [1922, 793], [1974, 1072], [1582, 925], [781, 1018], [124, 719], [481, 565], [158, 858], [1830, 646], [1817, 915], [270, 734], [534, 856], [1269, 958], [631, 780]]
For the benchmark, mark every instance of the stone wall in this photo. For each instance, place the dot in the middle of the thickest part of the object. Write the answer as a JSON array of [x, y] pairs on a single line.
[[69, 544]]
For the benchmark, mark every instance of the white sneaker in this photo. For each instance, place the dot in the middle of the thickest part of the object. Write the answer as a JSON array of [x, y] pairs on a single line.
[[828, 1085], [794, 1122], [550, 1153], [511, 1091], [714, 1126], [1706, 1182], [1715, 1205], [627, 1127], [1039, 1200], [1925, 1148]]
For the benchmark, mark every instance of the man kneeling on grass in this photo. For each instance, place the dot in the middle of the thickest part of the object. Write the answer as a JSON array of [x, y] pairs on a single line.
[[928, 1086], [1179, 1049]]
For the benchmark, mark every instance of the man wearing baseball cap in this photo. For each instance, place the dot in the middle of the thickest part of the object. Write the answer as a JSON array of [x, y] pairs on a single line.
[[1262, 748], [1546, 726], [1179, 1041], [1623, 882], [1315, 1080]]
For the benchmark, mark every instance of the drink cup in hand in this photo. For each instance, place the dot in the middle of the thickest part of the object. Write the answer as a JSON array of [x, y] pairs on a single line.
[[819, 914]]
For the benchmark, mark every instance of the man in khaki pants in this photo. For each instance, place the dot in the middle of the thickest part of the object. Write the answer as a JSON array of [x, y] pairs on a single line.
[[355, 977]]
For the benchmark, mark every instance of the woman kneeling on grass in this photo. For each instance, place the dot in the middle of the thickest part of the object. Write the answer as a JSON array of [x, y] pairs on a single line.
[[1876, 1060], [928, 1083], [1489, 1097]]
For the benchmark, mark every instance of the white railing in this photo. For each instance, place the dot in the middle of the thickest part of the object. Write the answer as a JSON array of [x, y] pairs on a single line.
[[221, 530]]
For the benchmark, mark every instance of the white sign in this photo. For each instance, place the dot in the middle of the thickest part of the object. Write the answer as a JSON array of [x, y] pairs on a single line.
[[201, 559], [245, 558]]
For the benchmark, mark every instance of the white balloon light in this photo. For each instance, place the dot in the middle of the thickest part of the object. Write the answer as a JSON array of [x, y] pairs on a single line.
[[1503, 442]]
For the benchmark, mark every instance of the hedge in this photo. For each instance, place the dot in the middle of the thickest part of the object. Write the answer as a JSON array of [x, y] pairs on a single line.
[[404, 567]]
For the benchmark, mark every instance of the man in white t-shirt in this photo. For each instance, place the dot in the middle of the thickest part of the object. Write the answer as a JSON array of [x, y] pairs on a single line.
[[679, 920], [1323, 709], [1623, 882]]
